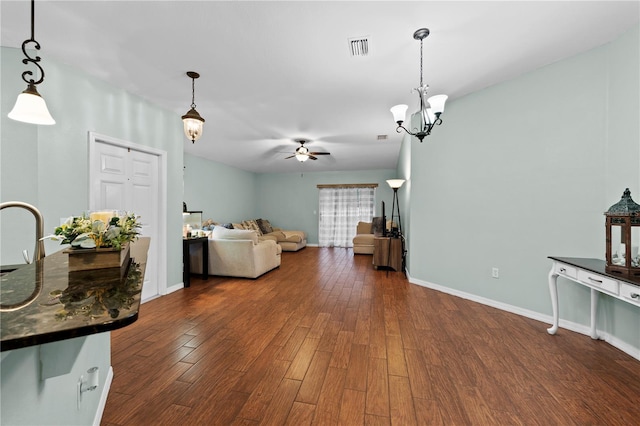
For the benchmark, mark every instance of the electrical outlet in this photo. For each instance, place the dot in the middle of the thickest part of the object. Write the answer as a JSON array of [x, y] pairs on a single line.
[[495, 272]]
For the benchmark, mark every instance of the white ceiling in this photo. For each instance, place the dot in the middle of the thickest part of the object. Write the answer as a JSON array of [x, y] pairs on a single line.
[[272, 72]]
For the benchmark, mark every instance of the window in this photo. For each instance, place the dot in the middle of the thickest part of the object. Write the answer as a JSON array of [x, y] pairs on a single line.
[[341, 208]]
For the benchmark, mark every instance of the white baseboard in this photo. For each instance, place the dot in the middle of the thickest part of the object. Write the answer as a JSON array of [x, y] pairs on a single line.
[[175, 287], [578, 328], [103, 397]]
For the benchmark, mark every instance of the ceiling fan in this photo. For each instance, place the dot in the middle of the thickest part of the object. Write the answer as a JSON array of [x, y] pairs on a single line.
[[303, 154]]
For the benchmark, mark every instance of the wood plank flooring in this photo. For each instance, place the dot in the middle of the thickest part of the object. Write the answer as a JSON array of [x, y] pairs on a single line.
[[326, 339]]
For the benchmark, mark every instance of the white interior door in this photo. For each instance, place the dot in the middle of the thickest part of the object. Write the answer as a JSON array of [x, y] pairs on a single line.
[[125, 178]]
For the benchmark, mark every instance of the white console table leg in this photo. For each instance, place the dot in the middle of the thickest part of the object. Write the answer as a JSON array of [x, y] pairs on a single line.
[[553, 289], [594, 310]]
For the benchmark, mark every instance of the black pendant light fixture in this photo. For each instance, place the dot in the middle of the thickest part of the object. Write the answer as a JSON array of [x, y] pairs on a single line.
[[30, 107], [429, 115], [193, 123]]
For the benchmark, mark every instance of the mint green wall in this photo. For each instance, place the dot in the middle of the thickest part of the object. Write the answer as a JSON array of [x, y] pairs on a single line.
[[223, 193], [290, 200], [523, 170], [47, 166]]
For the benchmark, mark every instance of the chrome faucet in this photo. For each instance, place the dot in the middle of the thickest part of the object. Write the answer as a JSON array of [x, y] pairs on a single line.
[[38, 254]]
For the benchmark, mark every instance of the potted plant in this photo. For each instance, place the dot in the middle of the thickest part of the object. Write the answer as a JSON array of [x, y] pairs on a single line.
[[98, 239]]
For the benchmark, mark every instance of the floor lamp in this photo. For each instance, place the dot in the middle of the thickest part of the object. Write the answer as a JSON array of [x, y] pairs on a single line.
[[395, 184]]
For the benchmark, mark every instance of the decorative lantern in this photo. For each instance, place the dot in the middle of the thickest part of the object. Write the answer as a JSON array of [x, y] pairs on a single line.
[[623, 237]]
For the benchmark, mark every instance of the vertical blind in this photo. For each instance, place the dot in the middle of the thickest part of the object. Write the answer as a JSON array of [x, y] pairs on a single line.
[[341, 208]]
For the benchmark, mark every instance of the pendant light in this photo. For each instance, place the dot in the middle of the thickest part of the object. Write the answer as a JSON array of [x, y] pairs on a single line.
[[429, 115], [193, 123], [30, 107]]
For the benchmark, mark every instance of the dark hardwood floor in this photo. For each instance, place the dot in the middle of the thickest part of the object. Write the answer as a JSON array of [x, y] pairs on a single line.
[[326, 339]]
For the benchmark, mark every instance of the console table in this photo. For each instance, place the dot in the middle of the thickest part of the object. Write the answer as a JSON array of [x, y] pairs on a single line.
[[387, 252], [590, 273], [186, 261]]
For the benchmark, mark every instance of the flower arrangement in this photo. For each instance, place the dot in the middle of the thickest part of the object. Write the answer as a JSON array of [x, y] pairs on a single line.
[[98, 230]]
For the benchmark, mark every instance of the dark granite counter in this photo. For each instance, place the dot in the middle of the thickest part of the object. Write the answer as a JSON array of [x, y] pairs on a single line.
[[43, 302]]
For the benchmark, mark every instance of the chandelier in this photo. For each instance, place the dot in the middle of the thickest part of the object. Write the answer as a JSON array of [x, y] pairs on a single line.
[[430, 109], [30, 107], [193, 123]]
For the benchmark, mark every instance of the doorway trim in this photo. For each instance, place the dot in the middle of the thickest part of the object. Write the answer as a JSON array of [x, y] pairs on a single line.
[[93, 139]]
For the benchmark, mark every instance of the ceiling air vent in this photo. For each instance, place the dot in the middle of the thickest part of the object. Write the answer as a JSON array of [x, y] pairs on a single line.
[[359, 46], [383, 137]]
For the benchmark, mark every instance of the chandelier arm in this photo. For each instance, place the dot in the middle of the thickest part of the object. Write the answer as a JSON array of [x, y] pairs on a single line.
[[400, 128], [28, 59]]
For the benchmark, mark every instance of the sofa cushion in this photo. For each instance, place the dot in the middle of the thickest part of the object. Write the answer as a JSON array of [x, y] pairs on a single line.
[[252, 225], [222, 233], [270, 237], [288, 236], [265, 226], [364, 228], [363, 240]]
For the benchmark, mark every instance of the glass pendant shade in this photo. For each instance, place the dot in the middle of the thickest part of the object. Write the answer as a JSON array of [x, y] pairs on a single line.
[[302, 158], [31, 108], [395, 183], [437, 103], [193, 125], [399, 112]]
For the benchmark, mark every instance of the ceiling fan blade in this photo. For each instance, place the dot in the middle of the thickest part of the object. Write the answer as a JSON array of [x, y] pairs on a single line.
[[311, 156], [291, 156], [320, 153]]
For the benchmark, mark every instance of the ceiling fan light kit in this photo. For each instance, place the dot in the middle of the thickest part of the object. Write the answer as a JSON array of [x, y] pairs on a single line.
[[193, 122], [430, 109], [302, 153], [30, 107]]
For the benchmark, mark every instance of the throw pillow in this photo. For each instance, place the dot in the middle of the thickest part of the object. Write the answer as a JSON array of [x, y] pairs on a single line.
[[265, 226], [252, 225], [227, 225]]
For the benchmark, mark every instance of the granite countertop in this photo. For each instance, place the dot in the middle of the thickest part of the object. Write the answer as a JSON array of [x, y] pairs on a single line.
[[43, 302]]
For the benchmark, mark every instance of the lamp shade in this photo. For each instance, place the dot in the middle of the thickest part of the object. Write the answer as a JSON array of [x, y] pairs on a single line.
[[31, 108], [399, 112], [395, 183], [193, 125], [437, 103], [302, 157]]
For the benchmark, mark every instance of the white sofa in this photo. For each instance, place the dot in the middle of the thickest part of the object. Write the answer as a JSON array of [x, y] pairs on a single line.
[[237, 253]]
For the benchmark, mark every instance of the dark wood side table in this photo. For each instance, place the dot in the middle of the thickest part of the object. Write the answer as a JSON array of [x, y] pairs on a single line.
[[186, 263], [387, 252]]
